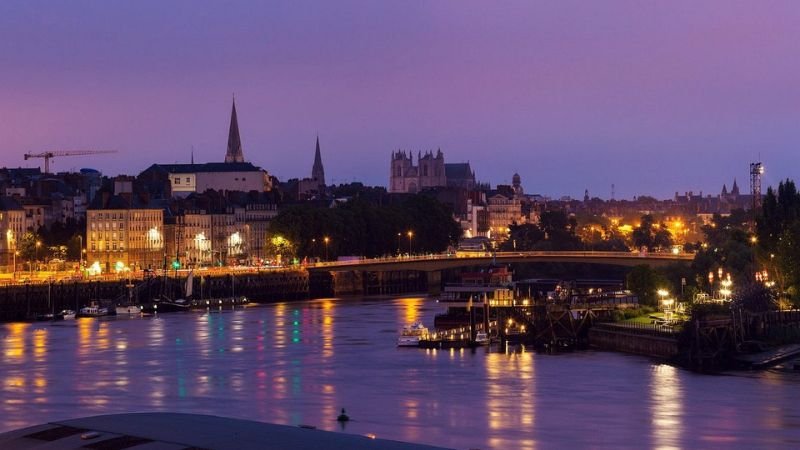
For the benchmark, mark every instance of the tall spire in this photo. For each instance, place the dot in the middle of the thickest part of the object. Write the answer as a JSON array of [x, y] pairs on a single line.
[[318, 172], [234, 153]]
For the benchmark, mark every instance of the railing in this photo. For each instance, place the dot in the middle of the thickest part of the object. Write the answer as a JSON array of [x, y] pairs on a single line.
[[484, 255]]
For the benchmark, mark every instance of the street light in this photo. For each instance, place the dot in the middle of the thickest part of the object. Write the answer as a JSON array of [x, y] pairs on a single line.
[[398, 243], [38, 244], [327, 240], [80, 251], [663, 293], [410, 235]]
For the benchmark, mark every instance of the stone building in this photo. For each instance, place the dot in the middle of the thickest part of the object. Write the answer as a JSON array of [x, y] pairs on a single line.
[[235, 174], [429, 172], [123, 231], [308, 188]]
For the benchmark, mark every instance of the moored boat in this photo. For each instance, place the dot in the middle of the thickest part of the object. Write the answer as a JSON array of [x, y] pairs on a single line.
[[411, 335], [128, 310], [66, 314], [94, 310]]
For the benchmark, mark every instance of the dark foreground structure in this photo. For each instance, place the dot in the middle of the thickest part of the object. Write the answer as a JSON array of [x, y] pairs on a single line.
[[170, 431]]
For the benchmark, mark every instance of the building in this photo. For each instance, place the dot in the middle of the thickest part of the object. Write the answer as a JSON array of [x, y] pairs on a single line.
[[12, 227], [308, 188], [235, 174], [123, 231], [429, 172], [405, 177], [503, 211]]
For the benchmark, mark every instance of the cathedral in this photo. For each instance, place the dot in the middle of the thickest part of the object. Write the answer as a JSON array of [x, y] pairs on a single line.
[[429, 172]]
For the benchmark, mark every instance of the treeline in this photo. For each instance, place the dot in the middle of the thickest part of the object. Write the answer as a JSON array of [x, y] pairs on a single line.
[[418, 224]]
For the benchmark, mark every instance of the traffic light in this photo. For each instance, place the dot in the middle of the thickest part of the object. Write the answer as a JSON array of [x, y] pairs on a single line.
[[176, 264]]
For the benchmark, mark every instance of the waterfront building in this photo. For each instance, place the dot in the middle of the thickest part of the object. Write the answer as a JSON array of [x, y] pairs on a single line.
[[429, 172], [12, 227], [124, 231]]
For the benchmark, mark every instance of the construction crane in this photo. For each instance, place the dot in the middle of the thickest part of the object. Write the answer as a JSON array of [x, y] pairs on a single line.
[[49, 155]]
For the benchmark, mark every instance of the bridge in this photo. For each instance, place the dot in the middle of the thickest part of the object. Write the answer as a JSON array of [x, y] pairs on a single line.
[[437, 262]]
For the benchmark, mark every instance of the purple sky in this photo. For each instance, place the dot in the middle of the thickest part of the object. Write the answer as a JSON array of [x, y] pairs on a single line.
[[651, 96]]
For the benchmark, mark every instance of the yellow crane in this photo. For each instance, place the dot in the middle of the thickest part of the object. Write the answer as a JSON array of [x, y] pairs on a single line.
[[49, 155]]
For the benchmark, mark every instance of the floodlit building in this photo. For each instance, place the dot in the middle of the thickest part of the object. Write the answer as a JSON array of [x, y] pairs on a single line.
[[122, 232], [12, 226]]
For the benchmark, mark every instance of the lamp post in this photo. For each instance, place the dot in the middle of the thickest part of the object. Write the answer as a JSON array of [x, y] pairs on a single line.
[[38, 244], [398, 243], [662, 293], [80, 251], [14, 274], [410, 235], [327, 240]]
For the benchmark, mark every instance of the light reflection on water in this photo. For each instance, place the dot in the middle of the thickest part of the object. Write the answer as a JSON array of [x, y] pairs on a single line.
[[299, 363]]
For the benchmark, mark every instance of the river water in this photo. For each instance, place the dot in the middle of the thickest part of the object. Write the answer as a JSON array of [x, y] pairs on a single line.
[[300, 362]]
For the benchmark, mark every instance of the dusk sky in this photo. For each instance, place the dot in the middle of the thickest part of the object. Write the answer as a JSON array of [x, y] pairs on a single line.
[[654, 97]]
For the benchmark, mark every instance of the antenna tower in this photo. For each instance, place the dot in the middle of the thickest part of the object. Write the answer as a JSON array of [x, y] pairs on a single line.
[[756, 170]]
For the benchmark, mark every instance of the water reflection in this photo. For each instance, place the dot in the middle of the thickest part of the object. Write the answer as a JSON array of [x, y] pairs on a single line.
[[301, 362], [666, 407], [509, 403]]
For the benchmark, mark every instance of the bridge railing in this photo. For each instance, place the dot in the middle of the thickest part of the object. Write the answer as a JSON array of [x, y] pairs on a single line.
[[502, 255]]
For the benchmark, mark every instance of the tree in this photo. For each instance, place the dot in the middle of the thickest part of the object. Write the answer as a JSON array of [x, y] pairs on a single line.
[[524, 237], [644, 282], [650, 236]]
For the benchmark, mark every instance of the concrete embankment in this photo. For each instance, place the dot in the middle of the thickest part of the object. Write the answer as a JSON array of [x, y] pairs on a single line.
[[641, 340]]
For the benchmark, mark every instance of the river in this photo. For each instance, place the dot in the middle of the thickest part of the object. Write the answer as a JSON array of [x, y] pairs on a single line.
[[301, 362]]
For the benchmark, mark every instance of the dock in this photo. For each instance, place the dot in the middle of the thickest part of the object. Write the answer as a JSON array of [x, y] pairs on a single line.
[[769, 358]]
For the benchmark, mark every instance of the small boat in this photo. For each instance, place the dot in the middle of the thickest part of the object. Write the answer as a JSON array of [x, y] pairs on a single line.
[[93, 311], [66, 314], [128, 310], [411, 335], [481, 338]]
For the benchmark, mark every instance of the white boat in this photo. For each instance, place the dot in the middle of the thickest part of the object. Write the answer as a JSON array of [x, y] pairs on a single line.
[[93, 311], [481, 338], [67, 314], [411, 335], [129, 310]]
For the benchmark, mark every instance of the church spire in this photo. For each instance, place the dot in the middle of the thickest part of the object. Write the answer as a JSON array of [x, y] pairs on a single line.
[[317, 171], [234, 153]]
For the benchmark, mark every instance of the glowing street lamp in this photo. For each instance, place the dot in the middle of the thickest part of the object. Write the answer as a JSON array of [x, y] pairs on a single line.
[[327, 241], [38, 244], [410, 235]]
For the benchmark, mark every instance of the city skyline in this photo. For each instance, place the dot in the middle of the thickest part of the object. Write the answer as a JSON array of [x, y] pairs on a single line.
[[647, 98]]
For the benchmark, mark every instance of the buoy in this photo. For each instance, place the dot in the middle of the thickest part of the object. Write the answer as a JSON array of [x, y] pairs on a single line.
[[343, 417]]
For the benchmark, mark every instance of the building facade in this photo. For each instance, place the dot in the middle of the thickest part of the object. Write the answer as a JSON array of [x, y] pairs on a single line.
[[430, 172], [12, 227], [120, 235]]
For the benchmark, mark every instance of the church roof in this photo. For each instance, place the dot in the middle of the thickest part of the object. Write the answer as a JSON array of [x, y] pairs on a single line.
[[458, 170], [208, 167]]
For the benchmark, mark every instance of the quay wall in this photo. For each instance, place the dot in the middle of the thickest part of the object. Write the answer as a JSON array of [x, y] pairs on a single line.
[[639, 340], [25, 301]]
